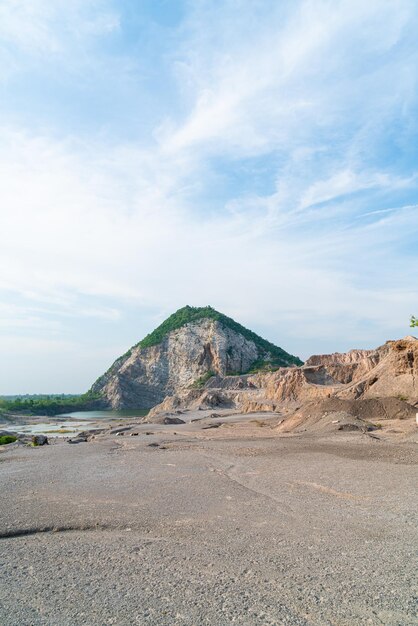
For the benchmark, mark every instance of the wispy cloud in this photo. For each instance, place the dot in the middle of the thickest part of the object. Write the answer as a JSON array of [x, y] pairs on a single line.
[[48, 27], [279, 182]]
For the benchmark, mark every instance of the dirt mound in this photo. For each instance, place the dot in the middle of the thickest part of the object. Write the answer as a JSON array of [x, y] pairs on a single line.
[[338, 414], [369, 408]]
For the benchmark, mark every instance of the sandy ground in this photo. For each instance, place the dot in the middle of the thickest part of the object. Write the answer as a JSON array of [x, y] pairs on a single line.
[[232, 525]]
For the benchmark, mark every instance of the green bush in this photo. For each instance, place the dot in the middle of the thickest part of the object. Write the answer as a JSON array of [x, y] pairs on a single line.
[[201, 382], [263, 366], [6, 439], [402, 397]]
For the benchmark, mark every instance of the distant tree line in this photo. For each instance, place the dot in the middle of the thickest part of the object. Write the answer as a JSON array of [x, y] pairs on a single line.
[[49, 405]]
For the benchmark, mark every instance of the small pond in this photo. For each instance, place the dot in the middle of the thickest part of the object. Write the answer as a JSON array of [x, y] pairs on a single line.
[[107, 414], [68, 424]]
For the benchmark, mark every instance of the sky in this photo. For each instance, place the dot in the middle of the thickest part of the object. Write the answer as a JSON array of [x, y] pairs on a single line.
[[260, 156]]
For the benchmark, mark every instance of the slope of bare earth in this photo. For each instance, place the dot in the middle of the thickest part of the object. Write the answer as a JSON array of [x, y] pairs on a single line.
[[390, 418], [218, 521]]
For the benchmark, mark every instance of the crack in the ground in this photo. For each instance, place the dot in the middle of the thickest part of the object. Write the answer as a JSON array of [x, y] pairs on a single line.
[[24, 532]]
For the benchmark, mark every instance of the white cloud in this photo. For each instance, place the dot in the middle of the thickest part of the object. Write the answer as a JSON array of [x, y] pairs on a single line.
[[69, 234], [309, 89], [291, 71], [43, 26], [41, 31], [346, 182]]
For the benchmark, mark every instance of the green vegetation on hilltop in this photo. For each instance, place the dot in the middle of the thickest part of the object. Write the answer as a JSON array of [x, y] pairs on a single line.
[[180, 318], [189, 314], [49, 405]]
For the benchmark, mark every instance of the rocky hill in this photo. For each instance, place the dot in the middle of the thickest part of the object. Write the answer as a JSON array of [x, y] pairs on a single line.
[[181, 354]]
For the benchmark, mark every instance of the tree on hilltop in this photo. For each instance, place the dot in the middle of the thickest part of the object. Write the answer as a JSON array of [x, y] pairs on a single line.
[[414, 321]]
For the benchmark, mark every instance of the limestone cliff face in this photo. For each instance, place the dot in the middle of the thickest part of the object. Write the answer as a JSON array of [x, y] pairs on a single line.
[[146, 376]]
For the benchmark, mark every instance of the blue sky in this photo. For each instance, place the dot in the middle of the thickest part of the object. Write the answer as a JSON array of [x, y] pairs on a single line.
[[258, 156]]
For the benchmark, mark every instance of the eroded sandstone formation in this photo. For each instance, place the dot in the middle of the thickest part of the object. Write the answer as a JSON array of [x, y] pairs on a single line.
[[389, 371]]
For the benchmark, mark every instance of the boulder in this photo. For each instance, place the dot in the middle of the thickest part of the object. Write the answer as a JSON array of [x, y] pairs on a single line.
[[350, 427], [173, 420], [81, 438], [39, 440], [119, 430]]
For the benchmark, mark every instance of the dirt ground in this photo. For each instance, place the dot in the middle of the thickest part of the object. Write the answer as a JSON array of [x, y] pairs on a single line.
[[231, 524]]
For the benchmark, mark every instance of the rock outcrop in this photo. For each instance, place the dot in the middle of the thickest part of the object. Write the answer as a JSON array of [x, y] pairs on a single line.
[[390, 371], [395, 373], [185, 350], [345, 367]]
